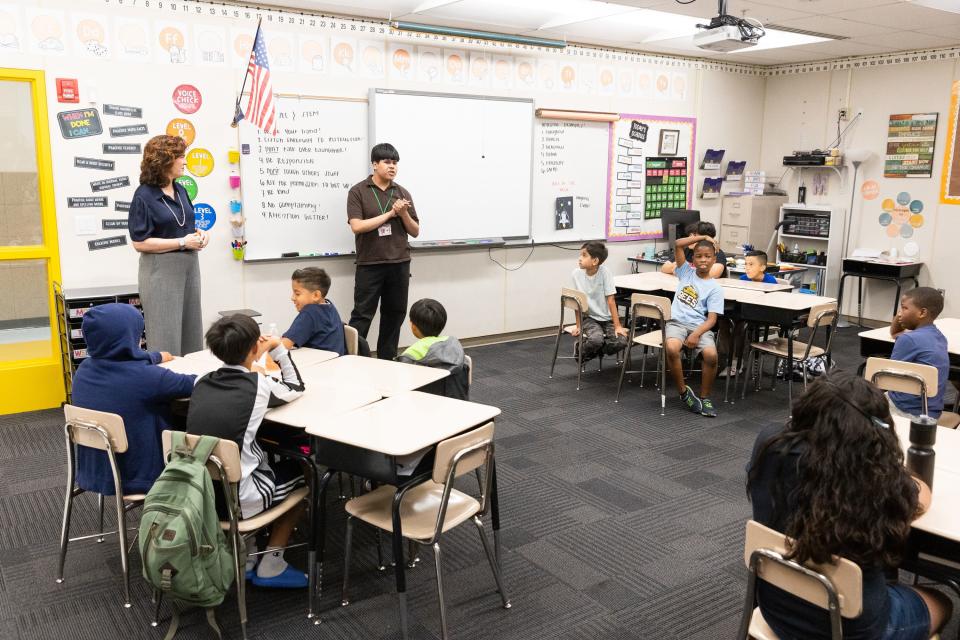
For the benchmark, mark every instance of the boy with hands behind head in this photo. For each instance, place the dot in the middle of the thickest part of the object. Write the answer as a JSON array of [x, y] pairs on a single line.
[[696, 305]]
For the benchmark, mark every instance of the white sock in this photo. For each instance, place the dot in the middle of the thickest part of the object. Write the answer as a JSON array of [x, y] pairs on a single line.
[[251, 549], [272, 563]]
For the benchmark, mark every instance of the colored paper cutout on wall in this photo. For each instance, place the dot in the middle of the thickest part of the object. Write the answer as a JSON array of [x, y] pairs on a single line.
[[173, 43], [870, 190], [189, 184], [183, 128], [92, 36], [902, 217], [46, 31], [204, 216], [199, 162], [950, 174], [133, 41], [187, 99], [314, 51], [401, 65]]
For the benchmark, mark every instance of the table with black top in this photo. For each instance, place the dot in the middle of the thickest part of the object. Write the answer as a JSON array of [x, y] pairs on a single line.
[[877, 270]]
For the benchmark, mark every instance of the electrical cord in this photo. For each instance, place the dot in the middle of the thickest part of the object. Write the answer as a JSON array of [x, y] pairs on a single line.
[[687, 2], [506, 268]]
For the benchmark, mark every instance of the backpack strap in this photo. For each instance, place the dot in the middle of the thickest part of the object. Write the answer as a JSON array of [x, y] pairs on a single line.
[[200, 452]]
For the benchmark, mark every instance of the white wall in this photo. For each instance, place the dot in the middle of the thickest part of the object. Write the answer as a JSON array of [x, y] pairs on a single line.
[[801, 113]]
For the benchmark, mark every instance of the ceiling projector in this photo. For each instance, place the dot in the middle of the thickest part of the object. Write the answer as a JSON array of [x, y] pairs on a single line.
[[727, 33]]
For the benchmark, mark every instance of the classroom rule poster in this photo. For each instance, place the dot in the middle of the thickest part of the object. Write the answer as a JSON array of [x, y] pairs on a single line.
[[650, 169]]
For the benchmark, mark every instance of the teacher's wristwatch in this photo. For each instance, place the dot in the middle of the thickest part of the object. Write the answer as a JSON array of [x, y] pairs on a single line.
[[183, 243]]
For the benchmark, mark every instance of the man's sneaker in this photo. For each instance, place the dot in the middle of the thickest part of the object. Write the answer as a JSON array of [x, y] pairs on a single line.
[[708, 408], [690, 399]]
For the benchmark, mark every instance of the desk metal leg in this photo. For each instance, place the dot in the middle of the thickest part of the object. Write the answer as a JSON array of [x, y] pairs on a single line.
[[860, 301], [318, 543], [398, 564], [495, 510], [789, 369]]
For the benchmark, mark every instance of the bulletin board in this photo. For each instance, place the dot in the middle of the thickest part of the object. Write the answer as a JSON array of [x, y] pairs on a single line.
[[650, 161], [950, 178]]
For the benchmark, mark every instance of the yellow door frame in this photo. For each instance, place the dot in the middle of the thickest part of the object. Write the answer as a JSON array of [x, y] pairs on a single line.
[[37, 383]]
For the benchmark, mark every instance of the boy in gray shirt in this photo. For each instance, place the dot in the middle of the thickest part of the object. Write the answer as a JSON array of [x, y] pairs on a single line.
[[600, 324]]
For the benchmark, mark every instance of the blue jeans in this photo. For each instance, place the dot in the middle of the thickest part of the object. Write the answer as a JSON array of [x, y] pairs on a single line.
[[909, 617]]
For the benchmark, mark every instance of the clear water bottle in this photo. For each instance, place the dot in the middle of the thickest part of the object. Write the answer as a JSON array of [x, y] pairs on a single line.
[[272, 331], [920, 455]]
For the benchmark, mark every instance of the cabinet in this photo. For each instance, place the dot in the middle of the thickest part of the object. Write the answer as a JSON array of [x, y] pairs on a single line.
[[812, 237], [748, 220], [71, 305]]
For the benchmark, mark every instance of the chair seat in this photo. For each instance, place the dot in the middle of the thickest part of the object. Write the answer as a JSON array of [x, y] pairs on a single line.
[[264, 518], [569, 328], [140, 497], [418, 511], [759, 628], [949, 419], [650, 339], [778, 347]]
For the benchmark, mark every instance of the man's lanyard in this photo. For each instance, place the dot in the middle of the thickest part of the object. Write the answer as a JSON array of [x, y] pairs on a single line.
[[383, 209]]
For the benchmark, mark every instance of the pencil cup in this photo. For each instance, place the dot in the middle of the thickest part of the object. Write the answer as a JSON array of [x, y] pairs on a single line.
[[234, 181], [236, 206], [233, 156], [238, 253]]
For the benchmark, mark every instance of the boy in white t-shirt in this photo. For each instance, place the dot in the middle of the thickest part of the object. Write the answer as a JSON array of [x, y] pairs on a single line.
[[600, 324]]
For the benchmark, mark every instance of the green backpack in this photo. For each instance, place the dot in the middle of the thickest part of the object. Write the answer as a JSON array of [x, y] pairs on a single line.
[[184, 552]]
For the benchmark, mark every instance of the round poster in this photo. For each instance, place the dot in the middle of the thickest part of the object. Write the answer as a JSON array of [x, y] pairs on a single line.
[[189, 184], [204, 216], [183, 128], [870, 190], [199, 162], [187, 99]]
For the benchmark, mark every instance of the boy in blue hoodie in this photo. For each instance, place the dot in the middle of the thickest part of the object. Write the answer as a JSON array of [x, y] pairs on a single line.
[[120, 377]]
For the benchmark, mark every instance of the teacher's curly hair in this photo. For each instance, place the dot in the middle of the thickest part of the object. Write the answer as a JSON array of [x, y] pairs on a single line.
[[854, 498], [158, 156]]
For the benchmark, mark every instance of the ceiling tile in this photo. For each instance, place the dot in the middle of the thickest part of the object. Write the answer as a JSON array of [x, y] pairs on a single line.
[[754, 9], [525, 15], [826, 7], [836, 26], [904, 40], [897, 16], [633, 27], [943, 31], [839, 49], [367, 8]]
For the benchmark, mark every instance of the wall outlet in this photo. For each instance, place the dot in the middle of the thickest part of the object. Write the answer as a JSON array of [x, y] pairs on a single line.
[[843, 114]]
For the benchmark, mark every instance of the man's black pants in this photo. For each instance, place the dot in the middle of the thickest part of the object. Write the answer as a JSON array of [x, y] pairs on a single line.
[[386, 284]]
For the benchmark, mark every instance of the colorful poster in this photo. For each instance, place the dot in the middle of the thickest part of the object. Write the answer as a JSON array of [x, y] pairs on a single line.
[[281, 51], [372, 59], [455, 66], [314, 51], [429, 68], [132, 39], [569, 77], [950, 177], [526, 73], [401, 65], [344, 56], [910, 142], [502, 76], [171, 39], [241, 43], [479, 69], [91, 37], [641, 181], [46, 31], [606, 81]]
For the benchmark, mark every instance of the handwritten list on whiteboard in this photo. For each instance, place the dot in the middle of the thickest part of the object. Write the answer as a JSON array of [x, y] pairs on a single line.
[[295, 184]]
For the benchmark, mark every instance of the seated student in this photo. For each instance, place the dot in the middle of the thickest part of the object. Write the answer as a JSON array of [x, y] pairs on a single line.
[[119, 377], [808, 480], [230, 403], [693, 315], [756, 268], [919, 340], [318, 325], [427, 320], [600, 324], [703, 231]]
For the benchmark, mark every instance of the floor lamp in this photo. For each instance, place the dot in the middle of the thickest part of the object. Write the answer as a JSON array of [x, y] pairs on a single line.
[[856, 158]]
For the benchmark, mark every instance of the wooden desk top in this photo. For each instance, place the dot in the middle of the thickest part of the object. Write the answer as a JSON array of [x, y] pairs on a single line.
[[793, 301], [203, 362], [949, 326], [319, 404], [381, 376], [652, 281], [404, 423], [736, 283]]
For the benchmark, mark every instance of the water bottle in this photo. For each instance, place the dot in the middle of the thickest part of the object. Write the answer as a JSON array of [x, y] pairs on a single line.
[[920, 455], [802, 194], [272, 331]]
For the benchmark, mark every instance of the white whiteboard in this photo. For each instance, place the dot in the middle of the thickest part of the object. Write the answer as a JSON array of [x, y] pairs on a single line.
[[466, 160], [295, 184], [570, 160]]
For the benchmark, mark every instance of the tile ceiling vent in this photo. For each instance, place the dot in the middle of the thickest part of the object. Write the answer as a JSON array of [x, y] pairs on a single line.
[[805, 32]]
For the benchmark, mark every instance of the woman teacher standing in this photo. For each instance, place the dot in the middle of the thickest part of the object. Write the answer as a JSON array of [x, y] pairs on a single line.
[[162, 229], [381, 215]]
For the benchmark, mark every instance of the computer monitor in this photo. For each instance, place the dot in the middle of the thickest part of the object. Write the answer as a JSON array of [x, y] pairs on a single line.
[[674, 221]]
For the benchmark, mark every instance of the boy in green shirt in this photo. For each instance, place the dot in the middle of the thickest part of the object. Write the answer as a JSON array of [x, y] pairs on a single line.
[[427, 320]]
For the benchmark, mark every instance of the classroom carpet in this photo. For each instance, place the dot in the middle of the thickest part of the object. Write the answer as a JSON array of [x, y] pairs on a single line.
[[617, 523]]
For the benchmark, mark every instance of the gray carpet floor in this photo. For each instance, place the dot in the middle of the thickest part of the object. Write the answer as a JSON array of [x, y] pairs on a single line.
[[617, 523]]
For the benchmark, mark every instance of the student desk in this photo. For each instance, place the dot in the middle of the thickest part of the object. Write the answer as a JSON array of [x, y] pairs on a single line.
[[383, 376], [764, 287], [656, 281], [879, 342], [200, 363], [367, 441], [895, 272]]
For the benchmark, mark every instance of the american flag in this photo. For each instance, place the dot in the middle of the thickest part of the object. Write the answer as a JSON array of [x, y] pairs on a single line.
[[261, 110]]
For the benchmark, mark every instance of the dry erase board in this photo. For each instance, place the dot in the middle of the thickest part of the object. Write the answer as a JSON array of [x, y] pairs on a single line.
[[570, 180], [465, 160], [295, 185]]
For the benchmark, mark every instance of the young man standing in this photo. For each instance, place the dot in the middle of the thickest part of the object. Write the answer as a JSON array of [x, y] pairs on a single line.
[[381, 215]]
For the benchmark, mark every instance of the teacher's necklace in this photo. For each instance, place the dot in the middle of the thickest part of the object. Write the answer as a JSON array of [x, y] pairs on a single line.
[[383, 209], [170, 209]]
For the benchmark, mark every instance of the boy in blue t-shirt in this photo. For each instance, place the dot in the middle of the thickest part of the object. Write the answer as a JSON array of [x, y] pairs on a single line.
[[696, 305], [919, 340], [318, 325], [756, 268]]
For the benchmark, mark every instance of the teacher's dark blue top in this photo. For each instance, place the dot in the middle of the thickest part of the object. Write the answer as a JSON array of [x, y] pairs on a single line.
[[149, 216]]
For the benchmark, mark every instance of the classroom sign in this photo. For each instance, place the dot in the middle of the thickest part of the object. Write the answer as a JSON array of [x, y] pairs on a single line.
[[79, 123], [183, 128], [122, 111], [910, 142], [189, 184], [187, 99], [204, 216], [200, 162]]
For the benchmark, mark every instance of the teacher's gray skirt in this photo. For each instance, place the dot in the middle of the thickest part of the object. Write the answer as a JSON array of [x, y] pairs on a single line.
[[170, 293]]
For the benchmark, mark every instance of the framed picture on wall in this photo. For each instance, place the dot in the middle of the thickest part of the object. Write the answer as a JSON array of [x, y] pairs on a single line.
[[669, 142]]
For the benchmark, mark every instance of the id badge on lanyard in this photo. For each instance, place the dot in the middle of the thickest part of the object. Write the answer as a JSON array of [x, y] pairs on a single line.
[[385, 229]]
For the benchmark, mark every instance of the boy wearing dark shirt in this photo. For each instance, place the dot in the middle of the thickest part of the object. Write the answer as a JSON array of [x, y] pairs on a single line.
[[318, 324], [919, 340]]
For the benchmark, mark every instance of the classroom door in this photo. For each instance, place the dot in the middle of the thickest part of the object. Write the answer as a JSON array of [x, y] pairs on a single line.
[[31, 373]]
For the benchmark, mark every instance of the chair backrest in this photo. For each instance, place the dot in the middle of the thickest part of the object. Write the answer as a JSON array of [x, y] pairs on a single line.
[[478, 442], [92, 428], [905, 377], [644, 305], [845, 576], [783, 281], [352, 339], [226, 451], [822, 315], [469, 362], [573, 299]]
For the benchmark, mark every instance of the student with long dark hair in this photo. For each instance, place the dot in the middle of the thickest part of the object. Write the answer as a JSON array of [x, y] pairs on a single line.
[[833, 480]]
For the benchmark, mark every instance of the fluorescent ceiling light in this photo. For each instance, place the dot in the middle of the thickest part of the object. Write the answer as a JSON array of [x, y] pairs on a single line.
[[573, 11], [779, 39], [943, 5], [426, 5]]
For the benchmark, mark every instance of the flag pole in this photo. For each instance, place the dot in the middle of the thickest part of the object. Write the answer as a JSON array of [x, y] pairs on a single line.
[[237, 113]]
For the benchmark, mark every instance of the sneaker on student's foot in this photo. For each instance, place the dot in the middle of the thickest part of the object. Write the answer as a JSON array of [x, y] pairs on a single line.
[[690, 399], [708, 408]]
